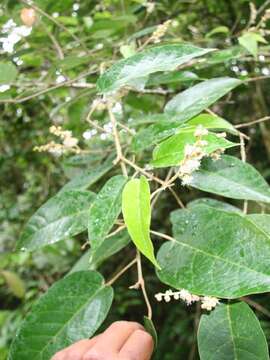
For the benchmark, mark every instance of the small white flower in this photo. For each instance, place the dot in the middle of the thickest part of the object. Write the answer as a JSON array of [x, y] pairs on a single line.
[[209, 303], [200, 131], [4, 88], [189, 166], [158, 297], [221, 135], [70, 142], [186, 180]]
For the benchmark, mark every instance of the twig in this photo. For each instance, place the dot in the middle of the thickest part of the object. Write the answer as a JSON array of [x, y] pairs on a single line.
[[116, 231], [117, 142], [196, 324], [57, 23], [265, 118], [263, 7], [256, 306], [57, 46], [44, 91], [142, 171], [121, 272], [141, 284], [177, 198], [257, 78], [164, 236]]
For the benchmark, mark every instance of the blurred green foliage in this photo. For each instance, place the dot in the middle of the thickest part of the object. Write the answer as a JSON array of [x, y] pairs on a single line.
[[79, 39]]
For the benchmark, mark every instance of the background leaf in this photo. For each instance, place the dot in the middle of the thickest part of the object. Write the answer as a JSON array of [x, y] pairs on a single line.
[[231, 177], [63, 216], [233, 332], [137, 215], [217, 252], [14, 282], [8, 73], [71, 310], [140, 65], [105, 210]]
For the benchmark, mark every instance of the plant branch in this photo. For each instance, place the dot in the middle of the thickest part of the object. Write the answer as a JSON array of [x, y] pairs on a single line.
[[265, 118], [121, 272]]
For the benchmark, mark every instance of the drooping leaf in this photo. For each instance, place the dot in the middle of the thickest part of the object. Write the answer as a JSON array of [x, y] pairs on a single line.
[[128, 71], [105, 210], [8, 73], [218, 30], [88, 177], [182, 108], [230, 177], [136, 209], [172, 151], [150, 328], [14, 282], [231, 331], [217, 252], [71, 310], [197, 98], [63, 216]]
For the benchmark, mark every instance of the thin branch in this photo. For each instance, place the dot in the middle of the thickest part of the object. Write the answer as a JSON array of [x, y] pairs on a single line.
[[121, 272], [117, 142], [44, 91], [141, 284], [56, 22], [256, 306], [265, 118], [263, 7], [164, 236], [177, 198]]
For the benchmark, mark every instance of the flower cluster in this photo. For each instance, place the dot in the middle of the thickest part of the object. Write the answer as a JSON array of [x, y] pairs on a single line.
[[193, 155], [13, 34], [69, 142], [207, 302], [160, 31]]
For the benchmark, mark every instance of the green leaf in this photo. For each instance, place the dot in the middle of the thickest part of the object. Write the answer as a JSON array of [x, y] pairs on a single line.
[[250, 42], [105, 210], [61, 217], [212, 122], [136, 209], [109, 247], [231, 332], [14, 282], [218, 30], [217, 252], [88, 177], [199, 97], [216, 204], [139, 66], [71, 310], [172, 151], [182, 108], [150, 328], [230, 177], [8, 73], [172, 77]]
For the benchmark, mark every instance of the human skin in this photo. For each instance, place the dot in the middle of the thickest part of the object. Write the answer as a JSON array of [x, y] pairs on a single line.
[[123, 340]]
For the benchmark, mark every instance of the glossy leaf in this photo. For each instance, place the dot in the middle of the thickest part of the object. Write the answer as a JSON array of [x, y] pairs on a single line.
[[71, 310], [172, 77], [217, 252], [14, 282], [137, 215], [197, 98], [216, 204], [182, 108], [88, 177], [128, 71], [8, 73], [232, 178], [61, 217], [231, 332], [105, 210], [172, 151]]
